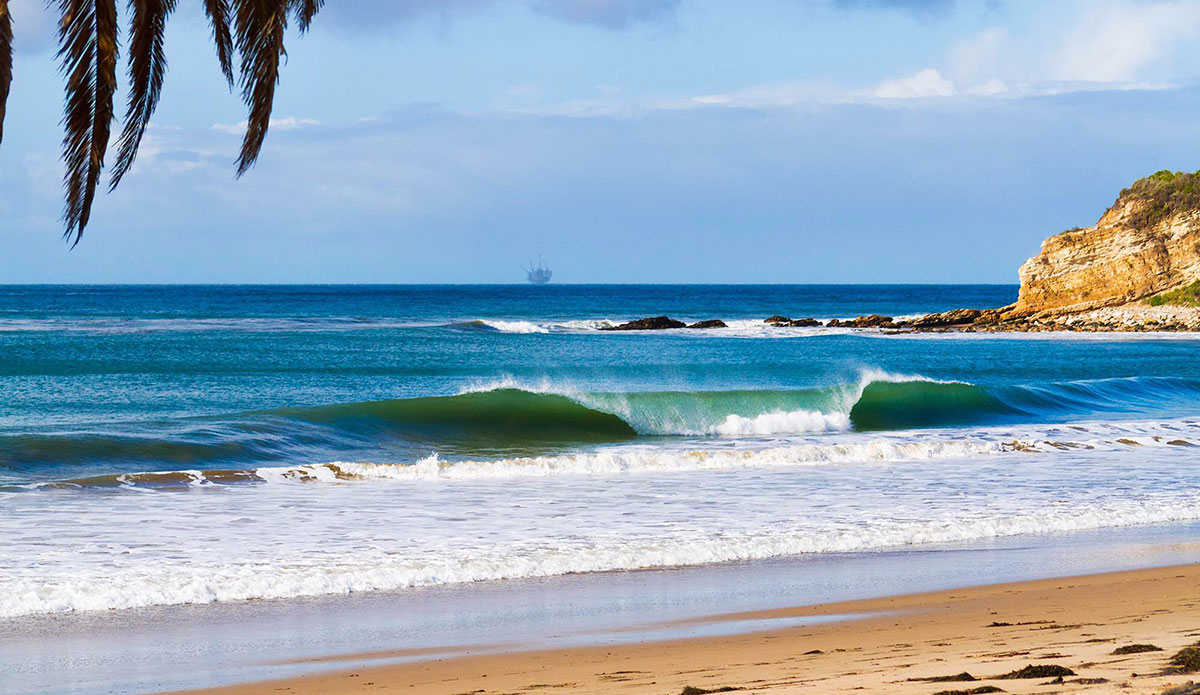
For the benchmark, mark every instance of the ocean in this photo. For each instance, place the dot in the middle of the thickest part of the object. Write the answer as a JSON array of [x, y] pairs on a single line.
[[178, 445]]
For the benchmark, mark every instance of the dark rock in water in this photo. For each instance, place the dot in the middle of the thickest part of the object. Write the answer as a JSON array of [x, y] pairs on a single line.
[[710, 323], [652, 323], [787, 322], [869, 321], [958, 317], [872, 321], [1041, 671]]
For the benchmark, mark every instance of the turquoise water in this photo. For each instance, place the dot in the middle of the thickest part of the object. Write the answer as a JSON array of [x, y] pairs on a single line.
[[357, 438]]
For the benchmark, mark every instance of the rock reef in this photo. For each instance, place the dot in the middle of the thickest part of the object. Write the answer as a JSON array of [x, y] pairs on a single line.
[[652, 323]]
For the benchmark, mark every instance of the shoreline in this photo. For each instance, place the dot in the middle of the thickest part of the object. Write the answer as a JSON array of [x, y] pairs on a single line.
[[204, 647], [883, 645]]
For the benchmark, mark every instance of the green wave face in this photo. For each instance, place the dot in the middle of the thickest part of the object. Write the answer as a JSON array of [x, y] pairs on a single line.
[[916, 404], [503, 415]]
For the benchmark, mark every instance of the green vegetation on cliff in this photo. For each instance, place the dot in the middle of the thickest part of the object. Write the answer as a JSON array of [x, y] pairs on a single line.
[[1166, 193], [1188, 295]]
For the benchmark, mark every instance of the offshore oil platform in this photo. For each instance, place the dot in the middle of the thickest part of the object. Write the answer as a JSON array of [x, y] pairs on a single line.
[[538, 274]]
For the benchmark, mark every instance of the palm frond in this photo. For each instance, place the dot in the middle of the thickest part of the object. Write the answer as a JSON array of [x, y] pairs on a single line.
[[147, 65], [259, 29], [219, 17], [6, 58], [305, 10], [87, 36]]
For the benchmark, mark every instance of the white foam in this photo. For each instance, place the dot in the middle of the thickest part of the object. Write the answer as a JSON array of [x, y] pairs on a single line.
[[585, 324], [893, 448], [514, 326], [641, 460], [343, 527], [148, 584], [780, 422]]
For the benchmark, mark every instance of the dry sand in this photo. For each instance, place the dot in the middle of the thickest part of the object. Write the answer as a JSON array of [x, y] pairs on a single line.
[[1075, 622]]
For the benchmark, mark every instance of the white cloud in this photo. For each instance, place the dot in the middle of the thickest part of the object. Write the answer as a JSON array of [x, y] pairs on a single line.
[[990, 88], [286, 123], [924, 84], [1117, 41]]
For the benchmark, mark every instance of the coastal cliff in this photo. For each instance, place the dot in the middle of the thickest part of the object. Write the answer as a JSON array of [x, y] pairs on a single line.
[[1136, 270], [1145, 245]]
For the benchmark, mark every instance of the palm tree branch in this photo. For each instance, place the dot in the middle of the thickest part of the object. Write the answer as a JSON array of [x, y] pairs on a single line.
[[6, 58], [305, 10], [259, 31], [219, 17], [147, 65], [87, 36]]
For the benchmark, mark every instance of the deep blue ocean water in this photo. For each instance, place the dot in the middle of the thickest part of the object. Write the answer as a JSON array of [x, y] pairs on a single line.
[[358, 437]]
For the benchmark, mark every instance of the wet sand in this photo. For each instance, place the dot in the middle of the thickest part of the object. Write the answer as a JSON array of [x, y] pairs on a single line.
[[887, 645]]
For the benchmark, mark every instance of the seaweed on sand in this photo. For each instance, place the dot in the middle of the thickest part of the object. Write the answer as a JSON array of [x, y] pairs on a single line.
[[1040, 671], [1136, 649], [1186, 660], [956, 678]]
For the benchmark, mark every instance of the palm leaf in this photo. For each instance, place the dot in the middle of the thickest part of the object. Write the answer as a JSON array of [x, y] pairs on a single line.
[[219, 18], [6, 58], [259, 29], [305, 10], [87, 35], [147, 64]]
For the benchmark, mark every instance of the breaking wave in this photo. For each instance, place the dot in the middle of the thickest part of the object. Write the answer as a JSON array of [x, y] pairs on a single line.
[[509, 418]]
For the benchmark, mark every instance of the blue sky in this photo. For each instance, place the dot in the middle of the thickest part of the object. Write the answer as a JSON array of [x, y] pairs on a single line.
[[626, 141]]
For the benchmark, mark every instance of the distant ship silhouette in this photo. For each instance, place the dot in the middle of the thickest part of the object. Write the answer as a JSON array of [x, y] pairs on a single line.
[[538, 274]]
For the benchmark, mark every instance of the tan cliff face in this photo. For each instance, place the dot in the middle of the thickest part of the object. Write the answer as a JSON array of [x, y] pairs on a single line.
[[1121, 259]]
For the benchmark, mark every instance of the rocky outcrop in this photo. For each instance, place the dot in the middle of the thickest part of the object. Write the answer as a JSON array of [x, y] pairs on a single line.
[[1147, 243], [957, 317], [710, 323], [869, 321], [784, 321], [652, 323]]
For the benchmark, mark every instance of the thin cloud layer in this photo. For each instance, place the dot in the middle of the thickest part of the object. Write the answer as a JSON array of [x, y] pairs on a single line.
[[611, 14], [914, 6]]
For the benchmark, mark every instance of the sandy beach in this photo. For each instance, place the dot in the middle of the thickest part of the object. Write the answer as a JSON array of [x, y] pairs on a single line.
[[895, 645]]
